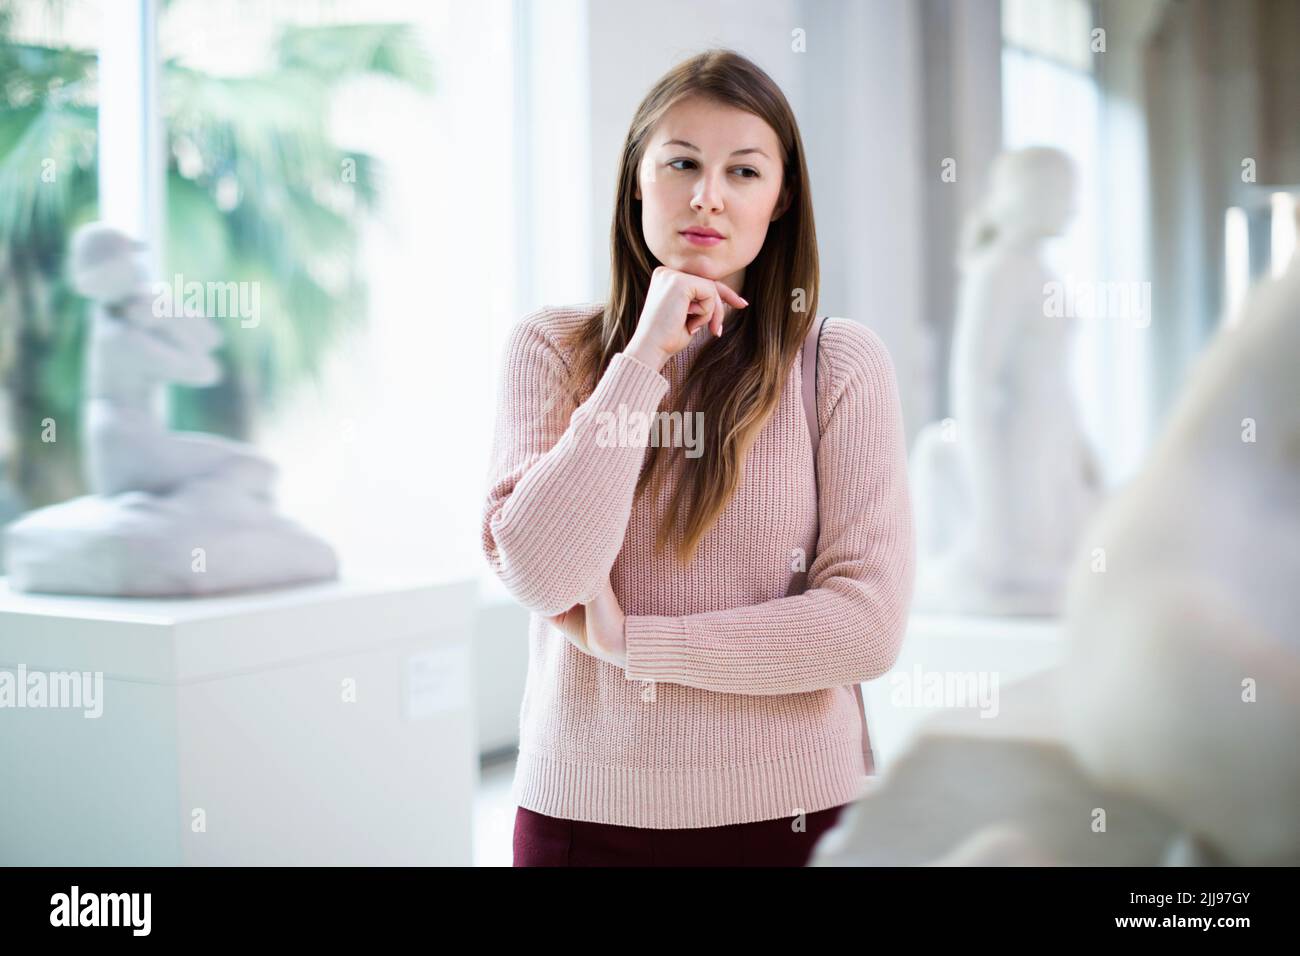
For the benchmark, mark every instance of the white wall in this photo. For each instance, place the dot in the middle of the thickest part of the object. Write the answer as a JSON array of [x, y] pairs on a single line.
[[961, 120], [862, 124]]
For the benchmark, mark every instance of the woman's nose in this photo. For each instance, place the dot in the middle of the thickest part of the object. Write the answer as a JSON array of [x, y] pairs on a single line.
[[708, 195]]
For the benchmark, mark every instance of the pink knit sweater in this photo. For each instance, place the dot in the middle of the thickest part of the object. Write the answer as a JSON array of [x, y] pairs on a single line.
[[733, 706]]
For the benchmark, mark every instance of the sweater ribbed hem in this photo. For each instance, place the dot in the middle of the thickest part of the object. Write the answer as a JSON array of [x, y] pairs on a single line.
[[681, 799]]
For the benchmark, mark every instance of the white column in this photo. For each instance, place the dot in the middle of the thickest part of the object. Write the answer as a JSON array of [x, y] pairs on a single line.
[[131, 152], [554, 148]]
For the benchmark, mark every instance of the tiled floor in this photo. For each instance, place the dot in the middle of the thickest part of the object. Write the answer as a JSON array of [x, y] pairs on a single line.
[[494, 813]]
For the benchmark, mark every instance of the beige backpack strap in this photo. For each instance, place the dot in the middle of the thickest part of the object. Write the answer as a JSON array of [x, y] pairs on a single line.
[[814, 433]]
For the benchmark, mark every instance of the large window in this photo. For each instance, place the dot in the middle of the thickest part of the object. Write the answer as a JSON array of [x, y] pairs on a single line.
[[355, 161], [49, 100], [407, 185]]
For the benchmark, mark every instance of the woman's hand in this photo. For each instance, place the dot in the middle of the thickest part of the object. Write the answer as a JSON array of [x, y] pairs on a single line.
[[596, 628], [677, 304]]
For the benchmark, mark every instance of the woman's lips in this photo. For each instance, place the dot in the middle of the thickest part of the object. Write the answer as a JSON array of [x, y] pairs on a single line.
[[698, 240]]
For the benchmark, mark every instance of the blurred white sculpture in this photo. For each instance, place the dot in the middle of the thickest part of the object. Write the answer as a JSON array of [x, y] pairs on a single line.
[[1176, 707], [1004, 486], [1185, 654], [174, 513], [964, 801]]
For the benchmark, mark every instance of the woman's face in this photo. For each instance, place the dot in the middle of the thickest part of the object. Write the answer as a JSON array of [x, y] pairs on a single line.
[[710, 166]]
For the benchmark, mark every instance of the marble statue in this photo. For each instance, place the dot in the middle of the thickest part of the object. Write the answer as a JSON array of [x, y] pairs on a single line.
[[1003, 486], [172, 513], [1174, 711]]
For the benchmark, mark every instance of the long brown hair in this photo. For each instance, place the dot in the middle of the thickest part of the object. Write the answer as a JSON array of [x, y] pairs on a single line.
[[739, 376]]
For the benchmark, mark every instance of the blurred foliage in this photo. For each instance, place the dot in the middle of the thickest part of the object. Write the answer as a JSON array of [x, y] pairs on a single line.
[[256, 192]]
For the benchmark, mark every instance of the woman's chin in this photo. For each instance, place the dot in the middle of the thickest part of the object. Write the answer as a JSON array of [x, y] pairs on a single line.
[[698, 265]]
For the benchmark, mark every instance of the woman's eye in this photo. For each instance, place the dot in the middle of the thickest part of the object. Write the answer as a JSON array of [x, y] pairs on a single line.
[[742, 169]]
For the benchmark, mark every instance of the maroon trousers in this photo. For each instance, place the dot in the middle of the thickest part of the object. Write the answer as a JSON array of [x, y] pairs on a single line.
[[540, 840]]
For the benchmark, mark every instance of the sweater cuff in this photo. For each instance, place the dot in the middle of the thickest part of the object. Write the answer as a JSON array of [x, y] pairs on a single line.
[[656, 647], [629, 383]]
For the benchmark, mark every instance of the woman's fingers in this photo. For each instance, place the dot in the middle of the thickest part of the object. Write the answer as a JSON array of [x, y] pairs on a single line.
[[730, 296], [724, 295], [708, 306], [580, 629], [572, 624]]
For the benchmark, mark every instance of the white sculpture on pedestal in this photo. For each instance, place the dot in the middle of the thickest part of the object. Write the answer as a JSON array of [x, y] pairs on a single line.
[[1176, 706], [173, 513], [1003, 487]]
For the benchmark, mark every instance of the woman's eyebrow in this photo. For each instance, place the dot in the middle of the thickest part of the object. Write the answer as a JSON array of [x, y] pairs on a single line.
[[739, 152]]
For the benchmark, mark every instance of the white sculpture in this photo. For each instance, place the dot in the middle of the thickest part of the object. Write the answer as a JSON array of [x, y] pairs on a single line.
[[173, 513], [1185, 654], [1176, 707], [1003, 487]]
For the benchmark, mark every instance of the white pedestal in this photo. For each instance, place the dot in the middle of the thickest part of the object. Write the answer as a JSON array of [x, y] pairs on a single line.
[[960, 651], [317, 725]]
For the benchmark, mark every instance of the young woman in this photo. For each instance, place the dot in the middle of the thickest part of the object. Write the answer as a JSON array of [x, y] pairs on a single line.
[[690, 693]]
